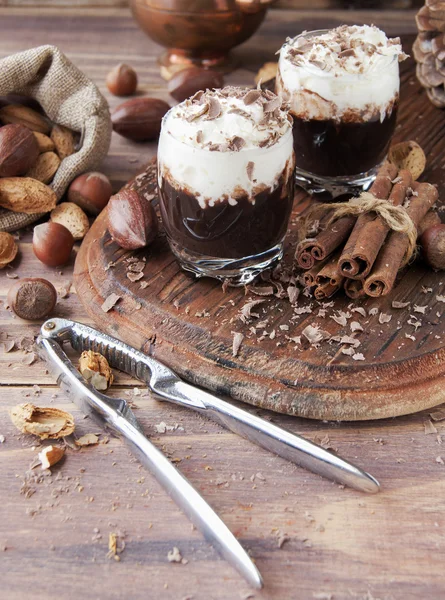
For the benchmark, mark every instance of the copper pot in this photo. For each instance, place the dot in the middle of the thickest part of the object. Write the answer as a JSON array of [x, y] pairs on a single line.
[[199, 32]]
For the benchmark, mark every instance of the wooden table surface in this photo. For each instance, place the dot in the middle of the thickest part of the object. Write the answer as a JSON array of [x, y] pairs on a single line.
[[309, 537]]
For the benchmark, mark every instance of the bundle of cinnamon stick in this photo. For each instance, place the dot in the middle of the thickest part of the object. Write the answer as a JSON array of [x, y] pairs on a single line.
[[362, 254]]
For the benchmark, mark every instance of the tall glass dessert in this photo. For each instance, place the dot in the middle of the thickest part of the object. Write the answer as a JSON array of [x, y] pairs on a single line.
[[225, 168], [343, 89]]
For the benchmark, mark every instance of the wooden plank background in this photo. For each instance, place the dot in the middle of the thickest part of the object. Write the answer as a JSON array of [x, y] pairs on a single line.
[[341, 545], [285, 4]]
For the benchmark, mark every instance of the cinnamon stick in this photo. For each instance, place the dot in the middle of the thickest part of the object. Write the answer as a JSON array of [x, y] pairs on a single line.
[[390, 258], [354, 288], [309, 276], [311, 250], [326, 290], [329, 279], [369, 230]]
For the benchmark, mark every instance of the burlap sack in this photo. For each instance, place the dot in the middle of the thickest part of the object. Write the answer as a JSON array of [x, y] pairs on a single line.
[[69, 98]]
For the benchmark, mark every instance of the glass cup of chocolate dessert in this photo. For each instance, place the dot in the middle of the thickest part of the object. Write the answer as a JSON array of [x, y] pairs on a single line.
[[225, 169], [342, 86]]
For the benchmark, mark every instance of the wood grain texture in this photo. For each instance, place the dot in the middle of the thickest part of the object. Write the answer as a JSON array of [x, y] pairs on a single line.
[[342, 544], [286, 4]]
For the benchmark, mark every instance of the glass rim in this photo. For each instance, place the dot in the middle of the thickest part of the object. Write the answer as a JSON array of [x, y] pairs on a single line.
[[307, 34]]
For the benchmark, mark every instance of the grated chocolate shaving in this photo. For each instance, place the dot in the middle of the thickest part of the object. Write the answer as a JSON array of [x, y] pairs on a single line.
[[252, 96], [346, 53], [237, 341], [236, 143], [272, 104], [397, 304], [246, 312], [110, 302], [214, 108], [250, 167], [192, 117]]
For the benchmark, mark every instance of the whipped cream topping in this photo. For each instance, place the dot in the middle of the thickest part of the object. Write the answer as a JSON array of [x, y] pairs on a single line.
[[350, 71], [223, 144], [228, 119]]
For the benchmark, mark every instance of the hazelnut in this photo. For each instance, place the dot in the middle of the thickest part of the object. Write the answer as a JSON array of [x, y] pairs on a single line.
[[72, 217], [52, 243], [90, 191], [432, 242], [187, 82], [32, 298], [122, 80], [18, 150], [132, 221], [429, 220], [139, 119], [8, 249]]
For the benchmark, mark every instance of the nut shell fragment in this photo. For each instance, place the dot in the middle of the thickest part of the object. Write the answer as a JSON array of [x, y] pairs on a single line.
[[95, 369], [89, 439], [45, 422], [408, 155], [8, 249]]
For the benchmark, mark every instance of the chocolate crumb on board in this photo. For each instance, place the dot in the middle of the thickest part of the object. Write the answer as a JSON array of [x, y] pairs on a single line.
[[397, 304], [8, 345], [237, 341], [438, 414], [429, 427], [110, 302]]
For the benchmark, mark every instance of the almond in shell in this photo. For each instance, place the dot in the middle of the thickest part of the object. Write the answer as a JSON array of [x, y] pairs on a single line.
[[26, 195], [8, 249], [45, 167], [23, 115], [72, 217], [63, 139], [44, 143]]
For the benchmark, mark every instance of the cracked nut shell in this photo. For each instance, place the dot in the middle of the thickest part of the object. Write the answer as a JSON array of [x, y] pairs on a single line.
[[132, 221], [32, 298]]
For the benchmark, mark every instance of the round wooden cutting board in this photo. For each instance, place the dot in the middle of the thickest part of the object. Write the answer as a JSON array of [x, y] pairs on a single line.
[[189, 324]]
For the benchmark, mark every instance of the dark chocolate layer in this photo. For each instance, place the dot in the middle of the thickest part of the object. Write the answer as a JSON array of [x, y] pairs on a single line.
[[330, 148], [223, 230]]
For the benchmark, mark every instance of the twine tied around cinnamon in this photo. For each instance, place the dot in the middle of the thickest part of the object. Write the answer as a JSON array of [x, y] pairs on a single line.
[[395, 217]]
